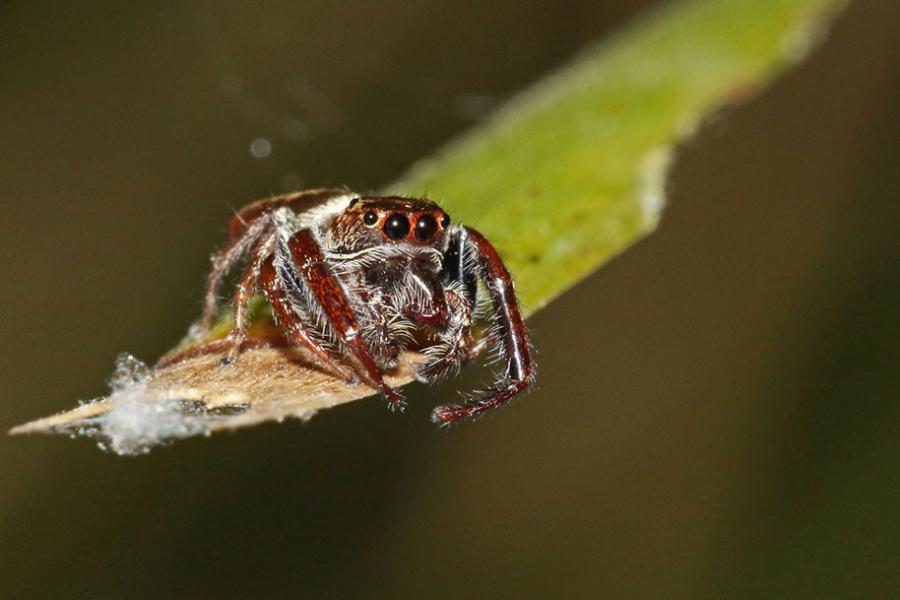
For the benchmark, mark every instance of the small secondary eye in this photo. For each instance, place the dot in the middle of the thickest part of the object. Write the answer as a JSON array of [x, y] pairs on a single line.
[[396, 226], [445, 221], [425, 228], [370, 218]]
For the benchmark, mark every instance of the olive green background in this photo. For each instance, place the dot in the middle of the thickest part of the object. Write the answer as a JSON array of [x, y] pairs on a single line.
[[717, 410]]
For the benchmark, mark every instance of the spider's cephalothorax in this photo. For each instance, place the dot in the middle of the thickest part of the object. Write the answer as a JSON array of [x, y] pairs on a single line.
[[356, 279]]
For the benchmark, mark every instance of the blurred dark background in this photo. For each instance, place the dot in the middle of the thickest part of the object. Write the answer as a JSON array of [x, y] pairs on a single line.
[[717, 412]]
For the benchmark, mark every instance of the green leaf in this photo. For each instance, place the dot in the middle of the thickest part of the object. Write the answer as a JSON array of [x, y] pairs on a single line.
[[562, 178], [572, 171]]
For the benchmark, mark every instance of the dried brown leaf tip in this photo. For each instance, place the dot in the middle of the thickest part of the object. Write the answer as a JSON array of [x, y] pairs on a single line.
[[190, 392]]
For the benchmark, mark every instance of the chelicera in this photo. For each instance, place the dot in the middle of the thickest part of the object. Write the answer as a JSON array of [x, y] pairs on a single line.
[[357, 279]]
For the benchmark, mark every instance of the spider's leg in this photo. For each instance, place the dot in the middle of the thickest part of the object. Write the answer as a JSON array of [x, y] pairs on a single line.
[[511, 331], [457, 268], [292, 322], [245, 230], [246, 287], [309, 261], [222, 263]]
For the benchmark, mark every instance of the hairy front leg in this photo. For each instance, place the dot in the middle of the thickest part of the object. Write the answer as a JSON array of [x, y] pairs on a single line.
[[309, 260], [509, 328], [293, 322]]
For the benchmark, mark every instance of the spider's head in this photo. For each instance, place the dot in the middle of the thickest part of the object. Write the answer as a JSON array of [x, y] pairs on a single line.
[[378, 220]]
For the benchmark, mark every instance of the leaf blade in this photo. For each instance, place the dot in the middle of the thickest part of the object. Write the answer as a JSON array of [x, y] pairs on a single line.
[[562, 178]]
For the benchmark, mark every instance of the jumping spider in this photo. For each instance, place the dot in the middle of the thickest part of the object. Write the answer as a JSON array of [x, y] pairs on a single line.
[[356, 279]]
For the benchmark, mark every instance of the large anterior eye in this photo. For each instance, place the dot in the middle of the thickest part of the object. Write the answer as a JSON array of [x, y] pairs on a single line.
[[396, 226], [425, 228]]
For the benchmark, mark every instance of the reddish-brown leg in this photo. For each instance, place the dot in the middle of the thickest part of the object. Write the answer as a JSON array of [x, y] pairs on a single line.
[[245, 230], [292, 322], [222, 263], [512, 333], [246, 287], [310, 263]]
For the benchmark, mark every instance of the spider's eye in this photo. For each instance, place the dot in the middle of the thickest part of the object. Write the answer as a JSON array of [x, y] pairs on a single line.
[[425, 228], [396, 226], [445, 221], [370, 218]]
